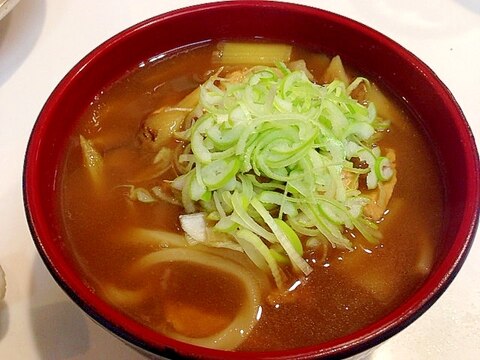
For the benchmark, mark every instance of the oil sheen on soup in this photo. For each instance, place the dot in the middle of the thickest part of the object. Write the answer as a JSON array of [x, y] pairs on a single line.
[[250, 196]]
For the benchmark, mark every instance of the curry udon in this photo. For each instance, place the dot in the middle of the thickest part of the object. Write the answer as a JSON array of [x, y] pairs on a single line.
[[250, 197]]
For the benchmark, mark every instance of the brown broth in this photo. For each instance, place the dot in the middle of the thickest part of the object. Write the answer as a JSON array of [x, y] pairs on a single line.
[[344, 294]]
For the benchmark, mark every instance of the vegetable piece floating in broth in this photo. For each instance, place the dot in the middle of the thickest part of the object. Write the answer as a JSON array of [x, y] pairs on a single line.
[[93, 161], [233, 53]]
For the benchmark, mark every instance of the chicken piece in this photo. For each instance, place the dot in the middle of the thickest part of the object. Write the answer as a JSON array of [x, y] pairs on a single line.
[[159, 126], [236, 76], [380, 197], [349, 179], [239, 76]]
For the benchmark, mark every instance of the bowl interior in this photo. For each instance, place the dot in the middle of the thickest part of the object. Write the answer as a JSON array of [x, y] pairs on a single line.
[[408, 79]]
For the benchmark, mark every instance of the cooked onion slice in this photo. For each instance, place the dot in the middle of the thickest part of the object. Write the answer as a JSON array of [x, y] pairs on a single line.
[[239, 328], [93, 161]]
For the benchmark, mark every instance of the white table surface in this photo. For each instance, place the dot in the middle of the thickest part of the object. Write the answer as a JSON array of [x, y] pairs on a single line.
[[40, 40]]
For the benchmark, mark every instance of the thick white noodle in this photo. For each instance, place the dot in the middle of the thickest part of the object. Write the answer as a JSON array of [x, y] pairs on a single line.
[[161, 238], [238, 330]]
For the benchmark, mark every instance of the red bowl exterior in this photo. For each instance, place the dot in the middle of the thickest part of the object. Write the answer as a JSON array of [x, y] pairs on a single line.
[[365, 49]]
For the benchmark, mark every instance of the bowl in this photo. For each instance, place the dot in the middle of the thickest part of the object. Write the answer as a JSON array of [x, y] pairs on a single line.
[[380, 57]]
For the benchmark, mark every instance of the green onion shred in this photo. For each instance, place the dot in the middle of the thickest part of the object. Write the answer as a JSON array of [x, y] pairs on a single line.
[[269, 158]]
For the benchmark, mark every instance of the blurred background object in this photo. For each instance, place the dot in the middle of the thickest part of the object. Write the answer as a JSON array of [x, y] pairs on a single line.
[[6, 6]]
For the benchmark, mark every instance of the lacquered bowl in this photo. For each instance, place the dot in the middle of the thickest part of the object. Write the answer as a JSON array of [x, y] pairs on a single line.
[[365, 49]]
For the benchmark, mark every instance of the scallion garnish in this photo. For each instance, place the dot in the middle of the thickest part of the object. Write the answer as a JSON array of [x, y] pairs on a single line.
[[271, 155]]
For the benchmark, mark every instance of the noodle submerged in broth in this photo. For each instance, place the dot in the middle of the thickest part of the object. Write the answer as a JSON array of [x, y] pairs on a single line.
[[247, 196]]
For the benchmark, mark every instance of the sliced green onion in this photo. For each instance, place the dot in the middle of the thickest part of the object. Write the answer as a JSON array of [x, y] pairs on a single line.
[[263, 250], [383, 168], [291, 235], [266, 162], [218, 173], [282, 238]]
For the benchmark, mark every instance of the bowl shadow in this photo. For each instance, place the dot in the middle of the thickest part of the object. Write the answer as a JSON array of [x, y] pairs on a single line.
[[4, 319], [472, 5], [61, 330]]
